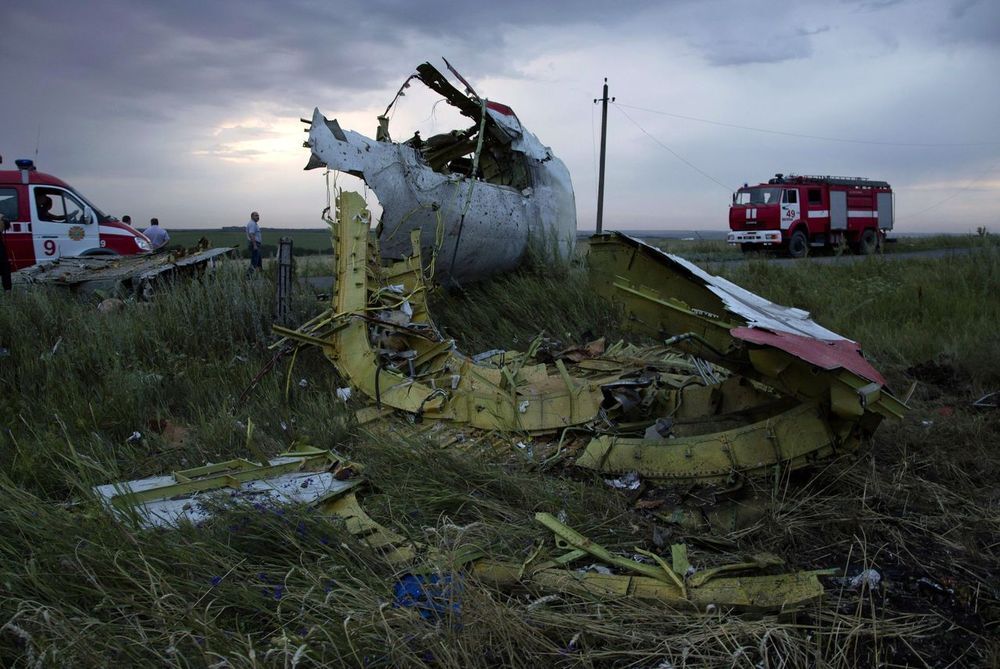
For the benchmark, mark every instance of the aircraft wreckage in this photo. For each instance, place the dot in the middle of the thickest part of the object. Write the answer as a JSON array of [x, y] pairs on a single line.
[[480, 195], [738, 387]]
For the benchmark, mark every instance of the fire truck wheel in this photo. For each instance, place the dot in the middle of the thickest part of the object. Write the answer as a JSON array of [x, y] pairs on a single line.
[[798, 245], [868, 243]]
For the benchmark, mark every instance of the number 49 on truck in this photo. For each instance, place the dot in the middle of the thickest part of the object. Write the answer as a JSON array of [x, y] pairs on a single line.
[[796, 213]]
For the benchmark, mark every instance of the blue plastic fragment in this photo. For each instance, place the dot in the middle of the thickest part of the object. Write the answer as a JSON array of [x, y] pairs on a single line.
[[433, 596]]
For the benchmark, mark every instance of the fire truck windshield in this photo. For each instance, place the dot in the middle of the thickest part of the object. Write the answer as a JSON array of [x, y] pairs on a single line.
[[758, 196]]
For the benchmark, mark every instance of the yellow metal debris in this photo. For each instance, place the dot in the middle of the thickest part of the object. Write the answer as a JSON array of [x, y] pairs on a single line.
[[771, 407], [675, 585]]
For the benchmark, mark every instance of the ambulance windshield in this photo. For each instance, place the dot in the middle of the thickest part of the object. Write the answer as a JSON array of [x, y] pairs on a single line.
[[758, 196], [101, 216]]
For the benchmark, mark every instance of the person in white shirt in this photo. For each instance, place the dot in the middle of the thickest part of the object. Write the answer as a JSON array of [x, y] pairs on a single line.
[[254, 239], [158, 237]]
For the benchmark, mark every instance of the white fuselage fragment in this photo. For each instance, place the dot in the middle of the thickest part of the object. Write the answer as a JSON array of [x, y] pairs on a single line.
[[496, 223]]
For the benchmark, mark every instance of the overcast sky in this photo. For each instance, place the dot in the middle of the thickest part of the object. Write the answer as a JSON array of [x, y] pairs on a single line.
[[189, 111]]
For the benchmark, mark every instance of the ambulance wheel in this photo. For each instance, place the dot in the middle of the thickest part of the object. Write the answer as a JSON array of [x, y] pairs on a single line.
[[868, 244], [798, 245]]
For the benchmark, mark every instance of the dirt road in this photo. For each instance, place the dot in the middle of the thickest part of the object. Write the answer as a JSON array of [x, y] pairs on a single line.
[[836, 260]]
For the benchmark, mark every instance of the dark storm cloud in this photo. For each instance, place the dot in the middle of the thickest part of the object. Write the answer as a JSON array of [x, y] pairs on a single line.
[[872, 5], [974, 21], [184, 100], [781, 45], [937, 21], [164, 73], [210, 52]]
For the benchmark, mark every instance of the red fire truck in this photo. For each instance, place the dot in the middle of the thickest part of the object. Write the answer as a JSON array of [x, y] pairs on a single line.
[[797, 213], [48, 219]]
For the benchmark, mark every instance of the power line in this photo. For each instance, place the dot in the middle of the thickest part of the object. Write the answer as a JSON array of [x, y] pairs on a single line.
[[804, 136], [989, 170], [674, 153]]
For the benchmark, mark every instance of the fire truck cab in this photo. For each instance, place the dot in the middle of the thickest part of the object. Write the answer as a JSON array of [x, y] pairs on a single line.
[[797, 213], [48, 219]]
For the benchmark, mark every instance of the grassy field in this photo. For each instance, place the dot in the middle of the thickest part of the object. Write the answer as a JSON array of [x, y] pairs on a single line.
[[317, 242], [304, 242], [717, 250], [287, 588]]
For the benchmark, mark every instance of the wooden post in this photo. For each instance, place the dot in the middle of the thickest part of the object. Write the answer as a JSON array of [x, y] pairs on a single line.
[[284, 293], [604, 143]]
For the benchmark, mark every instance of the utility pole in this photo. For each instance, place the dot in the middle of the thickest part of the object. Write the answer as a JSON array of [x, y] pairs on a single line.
[[604, 143]]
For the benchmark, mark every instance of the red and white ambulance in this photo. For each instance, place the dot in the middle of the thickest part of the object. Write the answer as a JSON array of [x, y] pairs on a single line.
[[49, 220]]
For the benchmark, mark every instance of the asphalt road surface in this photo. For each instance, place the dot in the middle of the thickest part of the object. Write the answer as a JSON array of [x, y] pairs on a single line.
[[839, 260]]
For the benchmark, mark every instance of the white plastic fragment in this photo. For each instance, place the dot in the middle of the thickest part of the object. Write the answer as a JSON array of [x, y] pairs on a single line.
[[542, 601], [596, 569], [660, 429], [134, 437], [868, 578], [486, 355], [630, 481], [343, 394]]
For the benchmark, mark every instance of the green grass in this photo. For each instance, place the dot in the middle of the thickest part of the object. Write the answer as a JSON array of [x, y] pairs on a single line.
[[932, 242], [904, 312], [256, 587], [709, 250], [304, 242]]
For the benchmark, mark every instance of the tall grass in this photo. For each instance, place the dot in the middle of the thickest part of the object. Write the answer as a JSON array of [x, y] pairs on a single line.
[[904, 313], [288, 587]]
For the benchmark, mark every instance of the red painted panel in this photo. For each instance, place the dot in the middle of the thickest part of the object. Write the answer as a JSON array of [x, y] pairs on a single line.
[[840, 353], [500, 108]]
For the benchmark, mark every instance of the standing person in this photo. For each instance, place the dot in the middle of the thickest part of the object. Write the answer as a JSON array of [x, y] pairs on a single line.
[[254, 238], [158, 237], [127, 220]]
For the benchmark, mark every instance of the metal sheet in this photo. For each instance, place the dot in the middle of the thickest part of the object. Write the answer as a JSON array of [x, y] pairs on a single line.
[[757, 311], [885, 213], [109, 272], [474, 226], [838, 210], [841, 353], [305, 476]]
